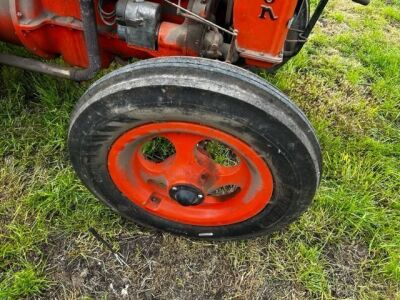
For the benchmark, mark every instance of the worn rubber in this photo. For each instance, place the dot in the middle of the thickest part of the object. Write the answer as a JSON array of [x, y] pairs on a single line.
[[207, 92]]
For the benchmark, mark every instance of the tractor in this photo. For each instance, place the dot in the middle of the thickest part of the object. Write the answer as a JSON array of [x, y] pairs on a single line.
[[187, 139]]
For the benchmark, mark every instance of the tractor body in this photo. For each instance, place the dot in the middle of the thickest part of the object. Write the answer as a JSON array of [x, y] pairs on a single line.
[[247, 32]]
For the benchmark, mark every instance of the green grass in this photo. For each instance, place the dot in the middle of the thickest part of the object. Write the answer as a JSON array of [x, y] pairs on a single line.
[[347, 245]]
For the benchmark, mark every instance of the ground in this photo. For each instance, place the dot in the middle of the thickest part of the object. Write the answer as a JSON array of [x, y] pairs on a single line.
[[346, 246]]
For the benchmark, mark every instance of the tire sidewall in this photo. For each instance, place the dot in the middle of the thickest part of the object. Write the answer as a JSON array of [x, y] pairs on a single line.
[[99, 124]]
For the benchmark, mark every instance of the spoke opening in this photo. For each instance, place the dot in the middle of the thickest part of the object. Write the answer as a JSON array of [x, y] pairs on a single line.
[[219, 153], [158, 149], [225, 192]]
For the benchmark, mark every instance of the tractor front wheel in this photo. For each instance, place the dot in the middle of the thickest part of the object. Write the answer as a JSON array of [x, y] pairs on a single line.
[[195, 147]]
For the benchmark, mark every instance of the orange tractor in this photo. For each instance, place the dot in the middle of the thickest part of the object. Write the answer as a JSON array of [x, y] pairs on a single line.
[[186, 140]]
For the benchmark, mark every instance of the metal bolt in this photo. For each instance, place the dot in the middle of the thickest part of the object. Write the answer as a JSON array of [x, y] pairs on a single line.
[[155, 199]]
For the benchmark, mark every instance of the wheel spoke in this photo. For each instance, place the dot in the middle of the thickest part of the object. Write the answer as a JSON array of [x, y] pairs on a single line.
[[185, 145], [226, 176], [151, 169]]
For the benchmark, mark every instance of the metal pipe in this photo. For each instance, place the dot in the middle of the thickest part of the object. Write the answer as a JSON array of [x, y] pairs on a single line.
[[92, 43], [35, 65], [191, 15], [93, 51], [314, 19]]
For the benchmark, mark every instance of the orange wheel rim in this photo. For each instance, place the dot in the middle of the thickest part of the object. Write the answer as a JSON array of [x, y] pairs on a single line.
[[181, 188]]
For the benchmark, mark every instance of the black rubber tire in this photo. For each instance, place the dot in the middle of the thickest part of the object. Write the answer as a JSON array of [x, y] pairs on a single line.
[[210, 93]]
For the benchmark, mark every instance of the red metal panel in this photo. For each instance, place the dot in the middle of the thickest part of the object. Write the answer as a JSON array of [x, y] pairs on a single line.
[[50, 28], [7, 32], [53, 28], [263, 26]]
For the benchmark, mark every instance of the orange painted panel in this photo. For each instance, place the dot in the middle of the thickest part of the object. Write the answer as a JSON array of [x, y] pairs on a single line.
[[263, 26]]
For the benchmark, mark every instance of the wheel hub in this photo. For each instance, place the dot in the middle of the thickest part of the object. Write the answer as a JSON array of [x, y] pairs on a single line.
[[186, 195], [189, 187]]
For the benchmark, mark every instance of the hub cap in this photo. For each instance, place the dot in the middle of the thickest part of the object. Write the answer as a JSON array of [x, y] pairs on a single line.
[[186, 195], [186, 186]]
